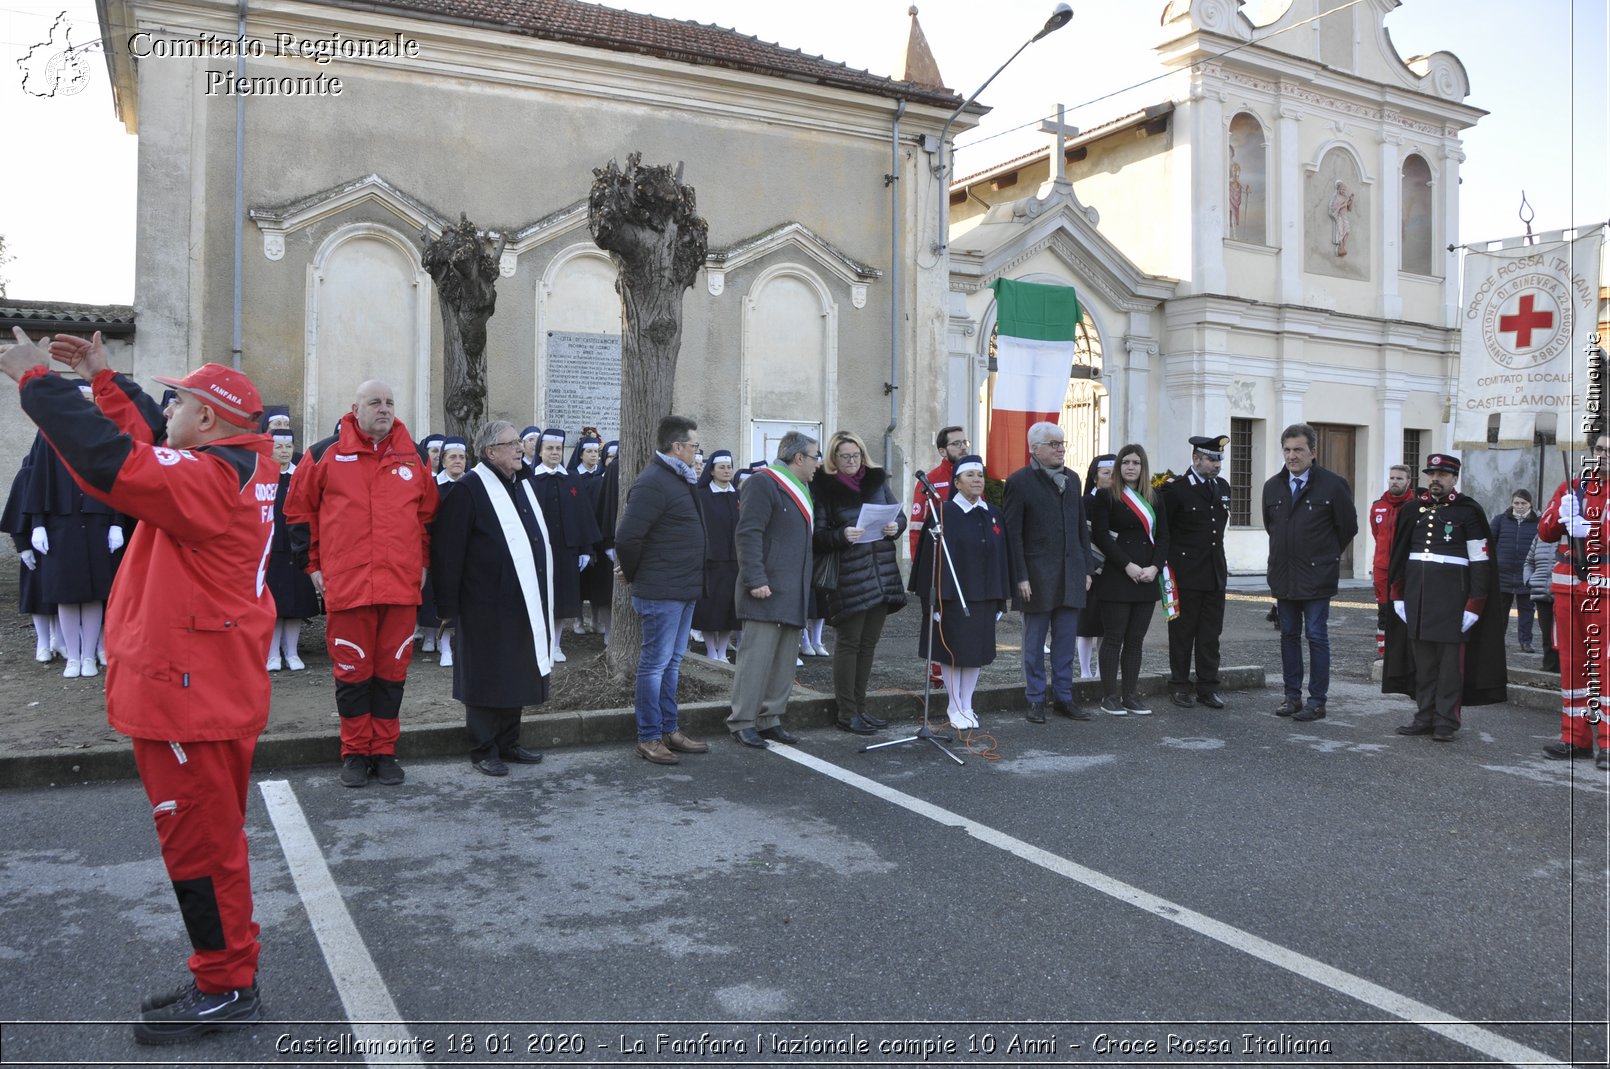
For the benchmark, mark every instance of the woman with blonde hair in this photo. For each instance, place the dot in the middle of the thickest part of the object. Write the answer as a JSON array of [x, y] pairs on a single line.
[[1127, 524], [866, 587]]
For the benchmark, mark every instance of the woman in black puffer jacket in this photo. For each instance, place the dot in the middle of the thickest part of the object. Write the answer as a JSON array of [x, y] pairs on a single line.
[[868, 585]]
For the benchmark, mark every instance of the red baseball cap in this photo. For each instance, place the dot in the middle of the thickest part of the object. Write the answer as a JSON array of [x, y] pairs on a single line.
[[229, 392]]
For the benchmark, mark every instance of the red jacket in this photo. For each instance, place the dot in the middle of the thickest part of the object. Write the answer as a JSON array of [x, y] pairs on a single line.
[[1383, 521], [367, 506], [940, 477], [1579, 565], [189, 618]]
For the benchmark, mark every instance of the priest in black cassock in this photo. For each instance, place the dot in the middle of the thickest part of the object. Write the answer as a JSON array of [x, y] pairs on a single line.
[[568, 510], [492, 569], [976, 536]]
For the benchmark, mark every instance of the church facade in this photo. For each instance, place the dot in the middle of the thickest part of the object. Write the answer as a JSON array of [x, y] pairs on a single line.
[[1267, 244], [365, 130]]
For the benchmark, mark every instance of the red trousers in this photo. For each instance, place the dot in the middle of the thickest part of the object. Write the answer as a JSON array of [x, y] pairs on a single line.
[[371, 646], [1581, 630], [198, 803]]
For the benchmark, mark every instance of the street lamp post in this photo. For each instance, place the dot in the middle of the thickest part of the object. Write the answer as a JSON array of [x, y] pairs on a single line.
[[1061, 15]]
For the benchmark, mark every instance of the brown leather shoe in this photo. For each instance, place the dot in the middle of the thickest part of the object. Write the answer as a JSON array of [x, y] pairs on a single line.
[[656, 753], [682, 744]]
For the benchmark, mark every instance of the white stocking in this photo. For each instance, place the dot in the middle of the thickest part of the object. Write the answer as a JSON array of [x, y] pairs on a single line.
[[290, 634], [445, 643], [70, 618], [276, 640], [89, 629], [1087, 650], [42, 631]]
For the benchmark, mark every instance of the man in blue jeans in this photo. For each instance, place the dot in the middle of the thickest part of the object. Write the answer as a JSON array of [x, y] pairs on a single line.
[[659, 550], [1310, 517]]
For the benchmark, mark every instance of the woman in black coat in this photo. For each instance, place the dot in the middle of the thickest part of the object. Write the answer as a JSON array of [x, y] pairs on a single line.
[[1513, 532], [867, 588], [1097, 480], [1128, 526], [294, 597], [975, 535], [29, 600], [715, 615]]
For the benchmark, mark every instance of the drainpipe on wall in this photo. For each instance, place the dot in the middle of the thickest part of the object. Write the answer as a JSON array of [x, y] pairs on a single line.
[[240, 186], [893, 385]]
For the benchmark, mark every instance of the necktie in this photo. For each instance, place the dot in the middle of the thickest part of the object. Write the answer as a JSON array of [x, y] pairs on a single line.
[[1296, 487]]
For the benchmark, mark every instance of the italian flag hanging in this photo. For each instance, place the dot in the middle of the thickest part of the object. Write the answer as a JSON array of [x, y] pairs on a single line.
[[1034, 352]]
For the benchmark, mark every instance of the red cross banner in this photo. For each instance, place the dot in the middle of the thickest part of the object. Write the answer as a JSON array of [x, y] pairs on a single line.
[[1526, 317]]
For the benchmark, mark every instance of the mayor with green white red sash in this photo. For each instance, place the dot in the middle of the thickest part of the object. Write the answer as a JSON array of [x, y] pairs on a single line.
[[1130, 527], [775, 525]]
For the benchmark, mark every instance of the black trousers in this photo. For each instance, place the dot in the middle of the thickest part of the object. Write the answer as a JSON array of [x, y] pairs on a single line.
[[1439, 684], [1123, 629], [1545, 629], [492, 731], [1196, 631]]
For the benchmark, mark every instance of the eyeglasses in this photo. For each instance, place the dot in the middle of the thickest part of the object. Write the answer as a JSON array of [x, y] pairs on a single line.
[[500, 445], [957, 441], [847, 457], [1058, 444], [817, 458]]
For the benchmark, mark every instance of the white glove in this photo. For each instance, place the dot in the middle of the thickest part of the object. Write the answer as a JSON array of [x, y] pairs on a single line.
[[610, 553], [936, 617], [114, 538], [27, 557], [1470, 621], [1576, 525], [582, 562], [998, 616], [1402, 610], [41, 540]]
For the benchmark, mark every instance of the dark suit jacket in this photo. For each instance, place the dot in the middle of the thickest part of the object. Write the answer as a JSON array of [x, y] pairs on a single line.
[[1046, 539], [1307, 537]]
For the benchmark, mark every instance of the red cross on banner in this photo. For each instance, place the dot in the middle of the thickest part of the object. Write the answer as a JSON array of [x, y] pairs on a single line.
[[1527, 319]]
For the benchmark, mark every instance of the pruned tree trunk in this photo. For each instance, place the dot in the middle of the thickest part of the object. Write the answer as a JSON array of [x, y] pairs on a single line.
[[464, 264], [645, 218]]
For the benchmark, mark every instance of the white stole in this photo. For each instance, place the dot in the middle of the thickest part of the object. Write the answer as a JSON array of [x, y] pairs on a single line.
[[525, 566]]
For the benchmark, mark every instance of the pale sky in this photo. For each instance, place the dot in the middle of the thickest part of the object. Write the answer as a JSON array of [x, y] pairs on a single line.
[[67, 196]]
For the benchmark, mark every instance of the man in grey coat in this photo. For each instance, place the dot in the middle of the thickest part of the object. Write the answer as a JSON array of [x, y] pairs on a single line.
[[774, 587], [1049, 543]]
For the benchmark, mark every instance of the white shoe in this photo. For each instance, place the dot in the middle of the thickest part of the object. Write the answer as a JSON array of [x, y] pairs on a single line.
[[44, 655], [696, 635], [274, 664], [447, 657], [958, 719], [559, 656], [87, 667], [798, 663], [823, 651], [429, 645], [73, 670], [293, 662], [101, 656]]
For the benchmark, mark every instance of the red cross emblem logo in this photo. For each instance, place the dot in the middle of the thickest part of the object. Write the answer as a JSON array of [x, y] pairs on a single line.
[[1526, 319]]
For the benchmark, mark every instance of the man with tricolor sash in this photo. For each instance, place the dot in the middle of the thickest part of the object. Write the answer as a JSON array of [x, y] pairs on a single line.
[[773, 537]]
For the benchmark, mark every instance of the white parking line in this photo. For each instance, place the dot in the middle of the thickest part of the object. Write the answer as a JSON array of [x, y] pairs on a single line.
[[1356, 987], [376, 1024]]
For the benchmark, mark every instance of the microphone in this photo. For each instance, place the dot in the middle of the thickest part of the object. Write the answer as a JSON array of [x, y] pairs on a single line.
[[922, 477]]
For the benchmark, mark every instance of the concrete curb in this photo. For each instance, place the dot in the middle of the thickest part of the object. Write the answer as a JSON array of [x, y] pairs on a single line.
[[546, 731], [1528, 687]]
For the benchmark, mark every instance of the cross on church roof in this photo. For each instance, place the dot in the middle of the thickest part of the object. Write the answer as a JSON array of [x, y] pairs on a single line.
[[1059, 131]]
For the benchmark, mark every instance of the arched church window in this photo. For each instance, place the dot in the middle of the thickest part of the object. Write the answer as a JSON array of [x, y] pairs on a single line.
[[1417, 217]]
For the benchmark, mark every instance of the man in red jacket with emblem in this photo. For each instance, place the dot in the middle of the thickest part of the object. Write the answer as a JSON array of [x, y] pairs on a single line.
[[367, 500], [1383, 520], [187, 625], [1578, 518]]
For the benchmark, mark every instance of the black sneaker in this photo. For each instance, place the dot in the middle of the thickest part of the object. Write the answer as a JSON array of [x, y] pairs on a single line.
[[1133, 704], [168, 998], [1309, 713], [355, 770], [197, 1012], [1113, 706], [387, 770], [1562, 751]]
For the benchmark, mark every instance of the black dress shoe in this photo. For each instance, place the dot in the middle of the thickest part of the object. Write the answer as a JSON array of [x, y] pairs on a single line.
[[749, 737], [1442, 736], [491, 766], [1289, 707], [1310, 712], [1184, 701], [1212, 699], [1415, 729], [781, 734], [875, 721], [857, 725], [1036, 713], [1062, 707], [522, 756], [1561, 751]]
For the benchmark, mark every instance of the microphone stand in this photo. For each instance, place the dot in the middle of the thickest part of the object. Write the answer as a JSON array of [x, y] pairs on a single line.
[[939, 551]]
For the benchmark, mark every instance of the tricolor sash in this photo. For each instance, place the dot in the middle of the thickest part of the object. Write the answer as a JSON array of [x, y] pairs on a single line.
[[538, 609], [796, 490], [1165, 575]]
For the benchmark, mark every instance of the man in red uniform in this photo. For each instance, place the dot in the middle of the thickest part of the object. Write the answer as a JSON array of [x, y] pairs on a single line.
[[188, 622], [366, 498], [1576, 518], [1383, 520], [952, 445]]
